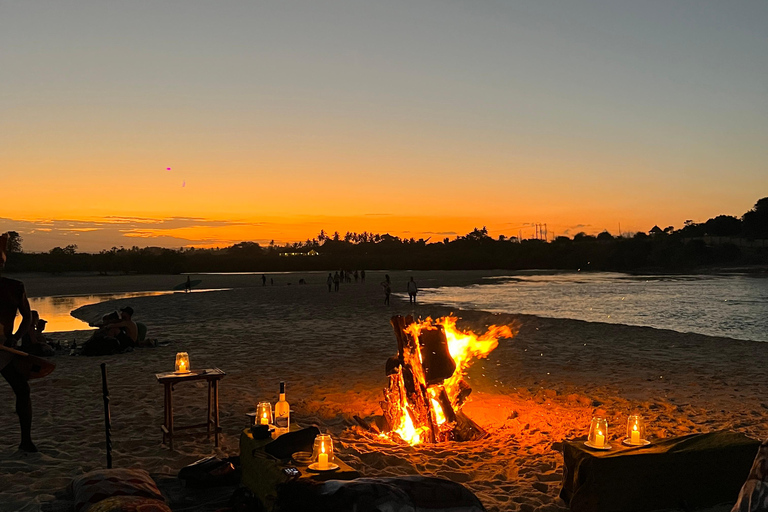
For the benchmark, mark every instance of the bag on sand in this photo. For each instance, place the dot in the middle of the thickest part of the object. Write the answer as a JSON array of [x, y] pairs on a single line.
[[210, 472]]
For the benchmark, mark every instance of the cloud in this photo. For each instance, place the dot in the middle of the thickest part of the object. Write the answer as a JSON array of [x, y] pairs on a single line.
[[105, 232]]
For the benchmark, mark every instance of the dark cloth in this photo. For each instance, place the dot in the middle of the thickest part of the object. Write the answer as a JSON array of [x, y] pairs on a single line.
[[688, 472], [125, 340], [100, 345], [754, 494], [287, 444]]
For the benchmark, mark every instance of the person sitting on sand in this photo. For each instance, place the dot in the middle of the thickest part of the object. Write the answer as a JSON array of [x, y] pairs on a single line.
[[13, 298], [33, 341], [125, 331]]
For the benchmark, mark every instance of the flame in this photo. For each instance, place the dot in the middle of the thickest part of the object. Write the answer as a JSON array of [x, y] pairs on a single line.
[[463, 346], [436, 407], [407, 431]]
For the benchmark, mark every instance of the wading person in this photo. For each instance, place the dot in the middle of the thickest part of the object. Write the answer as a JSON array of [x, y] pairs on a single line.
[[387, 290], [13, 298], [412, 291]]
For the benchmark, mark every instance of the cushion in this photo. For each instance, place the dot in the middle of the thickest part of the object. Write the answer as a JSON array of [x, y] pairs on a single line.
[[754, 494], [129, 504], [394, 494], [98, 485]]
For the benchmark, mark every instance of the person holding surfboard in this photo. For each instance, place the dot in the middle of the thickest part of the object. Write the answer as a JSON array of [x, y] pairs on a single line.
[[13, 298]]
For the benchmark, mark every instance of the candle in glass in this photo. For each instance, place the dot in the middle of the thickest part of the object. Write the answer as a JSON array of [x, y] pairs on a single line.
[[636, 430], [264, 413], [598, 433], [182, 362]]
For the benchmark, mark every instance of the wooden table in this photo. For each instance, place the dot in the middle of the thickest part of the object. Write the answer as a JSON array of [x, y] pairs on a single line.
[[170, 379]]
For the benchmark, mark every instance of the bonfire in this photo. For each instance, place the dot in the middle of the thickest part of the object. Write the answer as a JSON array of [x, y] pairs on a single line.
[[426, 380]]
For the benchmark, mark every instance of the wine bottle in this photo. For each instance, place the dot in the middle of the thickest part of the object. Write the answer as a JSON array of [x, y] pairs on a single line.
[[282, 413]]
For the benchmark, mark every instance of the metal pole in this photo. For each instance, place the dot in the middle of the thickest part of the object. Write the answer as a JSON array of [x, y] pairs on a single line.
[[107, 419]]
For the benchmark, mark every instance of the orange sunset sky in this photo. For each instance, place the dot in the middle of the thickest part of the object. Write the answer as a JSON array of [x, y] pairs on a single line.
[[421, 119]]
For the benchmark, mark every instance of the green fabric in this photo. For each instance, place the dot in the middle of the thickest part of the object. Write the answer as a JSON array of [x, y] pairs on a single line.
[[261, 472], [688, 472]]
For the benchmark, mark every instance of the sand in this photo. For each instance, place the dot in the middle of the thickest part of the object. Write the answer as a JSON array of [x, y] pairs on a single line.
[[531, 393]]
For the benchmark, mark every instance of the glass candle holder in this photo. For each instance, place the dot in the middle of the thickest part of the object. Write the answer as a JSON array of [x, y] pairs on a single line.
[[322, 453], [182, 362], [635, 430], [598, 432], [264, 413]]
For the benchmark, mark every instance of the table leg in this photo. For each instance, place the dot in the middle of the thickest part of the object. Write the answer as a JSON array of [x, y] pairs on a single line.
[[170, 415], [216, 408], [209, 419], [165, 412]]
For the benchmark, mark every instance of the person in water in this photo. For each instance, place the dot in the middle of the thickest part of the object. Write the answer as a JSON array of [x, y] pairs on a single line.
[[13, 299], [412, 291]]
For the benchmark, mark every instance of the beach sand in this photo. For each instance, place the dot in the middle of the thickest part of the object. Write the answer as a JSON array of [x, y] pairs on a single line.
[[531, 393]]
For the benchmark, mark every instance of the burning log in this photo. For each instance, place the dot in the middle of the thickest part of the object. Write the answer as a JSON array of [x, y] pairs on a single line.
[[426, 389]]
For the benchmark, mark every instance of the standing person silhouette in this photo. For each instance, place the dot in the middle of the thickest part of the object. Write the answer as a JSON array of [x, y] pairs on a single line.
[[387, 289], [362, 275], [189, 285], [336, 281], [13, 298], [412, 290], [263, 280], [329, 281]]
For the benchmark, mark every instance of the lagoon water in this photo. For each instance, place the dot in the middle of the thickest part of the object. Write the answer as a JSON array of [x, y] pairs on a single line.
[[733, 305], [57, 309]]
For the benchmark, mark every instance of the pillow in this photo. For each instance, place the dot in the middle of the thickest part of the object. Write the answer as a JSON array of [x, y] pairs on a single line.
[[129, 504], [98, 485], [754, 494]]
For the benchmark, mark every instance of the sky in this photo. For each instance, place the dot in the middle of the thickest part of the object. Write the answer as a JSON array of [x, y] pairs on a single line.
[[201, 123]]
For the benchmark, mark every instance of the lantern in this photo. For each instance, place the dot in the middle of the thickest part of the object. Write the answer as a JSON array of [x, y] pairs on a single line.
[[182, 362], [636, 431], [322, 454], [598, 434], [264, 413]]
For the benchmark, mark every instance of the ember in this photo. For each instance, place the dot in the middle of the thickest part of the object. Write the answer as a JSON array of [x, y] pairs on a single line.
[[426, 388]]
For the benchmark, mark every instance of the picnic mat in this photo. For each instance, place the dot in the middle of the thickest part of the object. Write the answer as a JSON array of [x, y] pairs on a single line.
[[688, 472]]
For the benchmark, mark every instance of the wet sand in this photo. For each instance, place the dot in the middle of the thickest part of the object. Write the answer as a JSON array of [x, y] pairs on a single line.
[[532, 392]]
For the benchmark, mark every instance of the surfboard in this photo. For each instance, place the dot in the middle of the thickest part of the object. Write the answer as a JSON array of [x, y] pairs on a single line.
[[192, 284], [32, 366]]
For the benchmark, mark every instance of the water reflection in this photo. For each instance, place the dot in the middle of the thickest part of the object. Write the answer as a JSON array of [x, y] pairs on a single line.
[[717, 305], [56, 310]]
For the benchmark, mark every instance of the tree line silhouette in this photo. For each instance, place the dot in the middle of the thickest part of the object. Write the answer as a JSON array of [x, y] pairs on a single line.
[[720, 241]]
